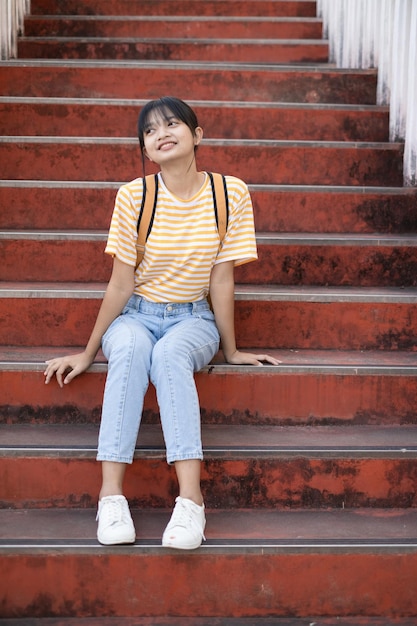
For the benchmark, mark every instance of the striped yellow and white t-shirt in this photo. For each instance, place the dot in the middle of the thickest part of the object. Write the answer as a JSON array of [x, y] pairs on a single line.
[[183, 244]]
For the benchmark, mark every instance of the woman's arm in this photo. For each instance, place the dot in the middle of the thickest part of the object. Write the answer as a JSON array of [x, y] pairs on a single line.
[[118, 292], [222, 297]]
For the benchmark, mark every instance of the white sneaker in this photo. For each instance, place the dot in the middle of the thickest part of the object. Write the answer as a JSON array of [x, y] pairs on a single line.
[[185, 530], [115, 523]]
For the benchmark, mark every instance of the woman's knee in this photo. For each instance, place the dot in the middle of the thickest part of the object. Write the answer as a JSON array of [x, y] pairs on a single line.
[[125, 338]]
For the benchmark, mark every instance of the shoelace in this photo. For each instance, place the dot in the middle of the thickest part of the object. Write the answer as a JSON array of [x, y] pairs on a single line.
[[113, 511], [182, 516]]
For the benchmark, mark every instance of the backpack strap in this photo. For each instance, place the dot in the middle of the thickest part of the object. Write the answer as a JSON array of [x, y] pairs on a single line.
[[221, 203], [146, 214]]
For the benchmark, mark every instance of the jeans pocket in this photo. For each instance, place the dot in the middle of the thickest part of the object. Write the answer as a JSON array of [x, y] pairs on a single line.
[[206, 315]]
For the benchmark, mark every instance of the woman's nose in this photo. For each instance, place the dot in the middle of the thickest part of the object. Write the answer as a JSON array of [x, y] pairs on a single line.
[[162, 131]]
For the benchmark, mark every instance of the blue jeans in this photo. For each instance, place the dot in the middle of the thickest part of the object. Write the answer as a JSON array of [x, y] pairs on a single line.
[[165, 344]]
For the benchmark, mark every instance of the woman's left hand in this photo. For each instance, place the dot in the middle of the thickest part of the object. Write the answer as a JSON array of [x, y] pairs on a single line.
[[248, 358]]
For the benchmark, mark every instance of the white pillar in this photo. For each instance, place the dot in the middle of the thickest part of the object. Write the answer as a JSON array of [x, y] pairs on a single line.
[[333, 14], [399, 62], [381, 34], [386, 28], [410, 148], [12, 14]]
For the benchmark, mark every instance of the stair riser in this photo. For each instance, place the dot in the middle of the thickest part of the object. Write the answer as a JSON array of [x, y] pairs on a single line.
[[362, 266], [355, 87], [158, 29], [289, 164], [262, 8], [365, 266], [253, 584], [275, 482], [272, 324], [247, 398], [283, 210], [239, 52], [218, 122]]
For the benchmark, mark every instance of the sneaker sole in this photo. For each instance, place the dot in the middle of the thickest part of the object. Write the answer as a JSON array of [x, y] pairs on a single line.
[[116, 543], [165, 544]]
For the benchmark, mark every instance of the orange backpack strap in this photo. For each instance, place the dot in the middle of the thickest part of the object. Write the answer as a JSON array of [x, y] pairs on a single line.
[[221, 203], [146, 214]]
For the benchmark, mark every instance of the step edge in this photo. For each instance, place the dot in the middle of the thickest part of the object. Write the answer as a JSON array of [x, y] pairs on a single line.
[[213, 369], [254, 187], [256, 41], [213, 547], [234, 104], [211, 453], [175, 18], [263, 238], [247, 143], [242, 292], [323, 68], [305, 361]]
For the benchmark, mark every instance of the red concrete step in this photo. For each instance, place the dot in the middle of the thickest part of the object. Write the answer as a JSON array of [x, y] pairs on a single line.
[[249, 553], [278, 208], [211, 621], [266, 467], [229, 120], [266, 316], [273, 8], [329, 259], [223, 50], [173, 26], [286, 259], [308, 387], [263, 161], [239, 82]]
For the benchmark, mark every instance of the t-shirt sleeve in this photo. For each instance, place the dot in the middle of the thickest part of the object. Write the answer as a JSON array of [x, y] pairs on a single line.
[[239, 244], [121, 241]]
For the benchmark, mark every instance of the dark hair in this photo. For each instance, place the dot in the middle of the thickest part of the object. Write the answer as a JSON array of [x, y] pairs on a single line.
[[165, 107]]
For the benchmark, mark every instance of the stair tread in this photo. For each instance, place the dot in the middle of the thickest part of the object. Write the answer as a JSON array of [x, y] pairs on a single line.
[[235, 104], [174, 18], [235, 441], [278, 238], [210, 621], [242, 292], [177, 40], [306, 530], [376, 145], [333, 361], [313, 68], [275, 187]]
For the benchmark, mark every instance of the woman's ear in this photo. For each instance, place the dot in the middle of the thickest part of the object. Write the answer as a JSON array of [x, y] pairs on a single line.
[[198, 135]]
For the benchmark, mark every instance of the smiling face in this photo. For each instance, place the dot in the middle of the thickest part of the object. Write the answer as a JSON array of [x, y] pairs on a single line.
[[167, 137], [168, 129]]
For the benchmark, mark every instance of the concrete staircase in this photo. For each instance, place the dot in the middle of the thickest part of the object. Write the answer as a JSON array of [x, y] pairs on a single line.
[[311, 467]]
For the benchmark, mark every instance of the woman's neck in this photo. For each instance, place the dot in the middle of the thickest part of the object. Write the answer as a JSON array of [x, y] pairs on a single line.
[[182, 184]]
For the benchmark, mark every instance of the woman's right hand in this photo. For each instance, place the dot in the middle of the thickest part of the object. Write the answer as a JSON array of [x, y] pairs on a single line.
[[71, 365], [118, 292]]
